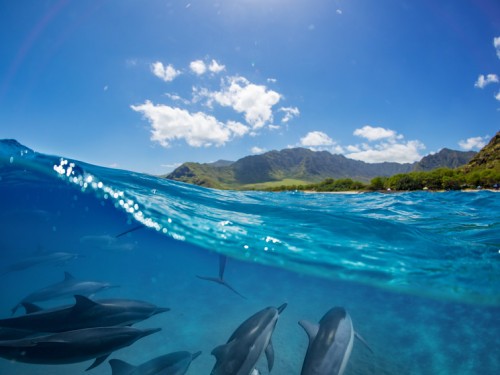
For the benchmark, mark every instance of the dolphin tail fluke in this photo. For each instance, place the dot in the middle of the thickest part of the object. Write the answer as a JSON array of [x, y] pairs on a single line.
[[234, 290], [97, 362], [222, 282], [360, 338], [215, 279], [222, 265], [195, 355], [130, 230], [119, 367]]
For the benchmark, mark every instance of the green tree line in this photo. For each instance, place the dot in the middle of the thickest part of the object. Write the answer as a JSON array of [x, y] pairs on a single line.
[[439, 179]]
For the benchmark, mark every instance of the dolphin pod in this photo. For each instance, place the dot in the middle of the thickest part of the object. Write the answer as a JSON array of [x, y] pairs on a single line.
[[73, 346], [330, 343], [66, 288], [176, 363], [85, 313], [245, 346]]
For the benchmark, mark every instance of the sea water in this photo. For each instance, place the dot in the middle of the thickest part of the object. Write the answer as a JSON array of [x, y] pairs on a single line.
[[418, 272]]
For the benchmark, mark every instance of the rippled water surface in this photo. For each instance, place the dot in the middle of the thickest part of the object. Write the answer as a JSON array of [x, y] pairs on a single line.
[[418, 272]]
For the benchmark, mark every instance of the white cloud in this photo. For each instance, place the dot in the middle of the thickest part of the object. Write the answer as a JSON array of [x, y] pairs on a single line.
[[390, 147], [255, 101], [272, 80], [215, 67], [290, 112], [482, 81], [257, 150], [388, 151], [473, 142], [339, 11], [106, 88], [177, 98], [375, 134], [319, 141], [171, 166], [197, 129], [167, 73], [497, 96], [496, 43], [316, 138], [198, 67]]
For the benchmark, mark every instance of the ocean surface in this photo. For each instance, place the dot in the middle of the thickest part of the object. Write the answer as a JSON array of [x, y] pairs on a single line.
[[418, 272]]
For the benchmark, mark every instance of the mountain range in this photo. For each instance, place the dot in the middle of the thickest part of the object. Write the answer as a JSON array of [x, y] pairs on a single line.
[[303, 166]]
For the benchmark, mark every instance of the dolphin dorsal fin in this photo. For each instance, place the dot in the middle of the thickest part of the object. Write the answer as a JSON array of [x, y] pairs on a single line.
[[83, 303], [270, 355], [31, 307], [119, 367], [310, 328], [68, 276]]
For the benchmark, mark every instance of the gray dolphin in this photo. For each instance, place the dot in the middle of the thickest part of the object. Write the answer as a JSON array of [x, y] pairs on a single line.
[[73, 346], [85, 313], [245, 346], [66, 288], [220, 279], [57, 258], [330, 343], [176, 363]]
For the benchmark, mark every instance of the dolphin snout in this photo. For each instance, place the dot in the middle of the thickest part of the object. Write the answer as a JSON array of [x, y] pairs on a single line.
[[150, 331], [282, 307], [160, 310]]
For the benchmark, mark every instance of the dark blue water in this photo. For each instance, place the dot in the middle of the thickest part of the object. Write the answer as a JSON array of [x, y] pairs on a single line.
[[418, 272]]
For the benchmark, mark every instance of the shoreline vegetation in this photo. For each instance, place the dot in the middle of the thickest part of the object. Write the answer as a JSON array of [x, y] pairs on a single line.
[[442, 179]]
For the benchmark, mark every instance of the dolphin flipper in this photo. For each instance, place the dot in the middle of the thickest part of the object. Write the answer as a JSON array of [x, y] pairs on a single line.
[[270, 355], [97, 362], [311, 330], [363, 341]]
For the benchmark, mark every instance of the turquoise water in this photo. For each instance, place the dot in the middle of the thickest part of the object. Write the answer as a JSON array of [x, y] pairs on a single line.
[[418, 272]]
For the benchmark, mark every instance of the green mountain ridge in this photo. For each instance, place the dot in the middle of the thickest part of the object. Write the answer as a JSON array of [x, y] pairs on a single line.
[[302, 166], [487, 158]]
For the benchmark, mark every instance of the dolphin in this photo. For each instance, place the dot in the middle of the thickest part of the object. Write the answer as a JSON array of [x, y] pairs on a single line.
[[14, 334], [245, 346], [68, 287], [72, 346], [85, 313], [176, 363], [57, 258], [220, 279], [330, 343]]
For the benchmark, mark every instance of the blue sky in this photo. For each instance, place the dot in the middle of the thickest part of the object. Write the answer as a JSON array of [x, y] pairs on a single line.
[[147, 85]]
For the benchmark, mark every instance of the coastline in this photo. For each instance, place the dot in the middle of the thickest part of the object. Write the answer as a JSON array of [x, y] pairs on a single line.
[[351, 192]]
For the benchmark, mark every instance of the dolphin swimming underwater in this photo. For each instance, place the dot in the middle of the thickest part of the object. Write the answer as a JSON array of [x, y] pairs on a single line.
[[176, 363], [330, 343], [57, 258], [66, 288], [245, 346], [85, 313], [73, 346], [220, 279]]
